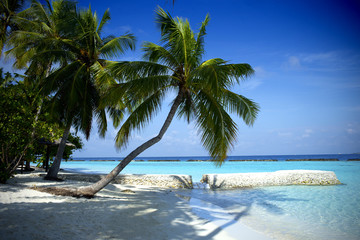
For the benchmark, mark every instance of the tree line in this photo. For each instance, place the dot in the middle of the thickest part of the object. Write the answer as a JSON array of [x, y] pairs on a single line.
[[26, 135]]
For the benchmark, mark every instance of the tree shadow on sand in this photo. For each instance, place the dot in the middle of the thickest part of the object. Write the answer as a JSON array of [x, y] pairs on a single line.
[[113, 214], [236, 204], [118, 214]]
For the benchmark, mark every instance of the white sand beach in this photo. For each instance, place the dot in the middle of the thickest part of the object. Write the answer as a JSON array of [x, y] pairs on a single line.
[[137, 213]]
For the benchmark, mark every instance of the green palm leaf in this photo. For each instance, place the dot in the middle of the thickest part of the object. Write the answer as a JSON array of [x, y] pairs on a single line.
[[139, 118], [117, 46], [218, 130], [242, 106]]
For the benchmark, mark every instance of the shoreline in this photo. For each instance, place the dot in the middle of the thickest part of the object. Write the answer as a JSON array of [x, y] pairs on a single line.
[[230, 160], [234, 158], [116, 212]]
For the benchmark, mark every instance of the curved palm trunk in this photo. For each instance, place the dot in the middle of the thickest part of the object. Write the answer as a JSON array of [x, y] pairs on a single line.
[[55, 167], [91, 190]]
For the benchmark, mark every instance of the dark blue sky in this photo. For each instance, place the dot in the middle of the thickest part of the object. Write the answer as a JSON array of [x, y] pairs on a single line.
[[307, 60]]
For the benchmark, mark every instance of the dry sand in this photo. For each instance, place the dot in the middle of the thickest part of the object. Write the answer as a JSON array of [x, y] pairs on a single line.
[[141, 213]]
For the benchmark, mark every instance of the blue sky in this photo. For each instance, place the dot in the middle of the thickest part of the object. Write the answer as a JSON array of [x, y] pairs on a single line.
[[306, 55]]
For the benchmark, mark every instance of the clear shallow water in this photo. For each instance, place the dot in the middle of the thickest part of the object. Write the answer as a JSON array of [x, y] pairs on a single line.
[[286, 212], [298, 212]]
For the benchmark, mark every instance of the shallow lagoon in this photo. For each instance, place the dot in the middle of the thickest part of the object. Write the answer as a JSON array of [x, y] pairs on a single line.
[[298, 212], [286, 212]]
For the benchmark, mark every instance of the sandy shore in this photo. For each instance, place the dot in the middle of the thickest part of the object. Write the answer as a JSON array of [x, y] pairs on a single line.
[[137, 213]]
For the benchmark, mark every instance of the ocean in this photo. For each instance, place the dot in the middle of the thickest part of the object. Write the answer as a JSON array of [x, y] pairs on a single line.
[[282, 212]]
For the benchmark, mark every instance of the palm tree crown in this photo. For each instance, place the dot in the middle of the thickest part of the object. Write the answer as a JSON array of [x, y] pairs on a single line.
[[77, 93], [202, 87]]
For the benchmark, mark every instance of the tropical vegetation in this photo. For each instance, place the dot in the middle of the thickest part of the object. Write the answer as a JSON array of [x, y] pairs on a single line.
[[68, 61], [65, 50], [20, 134]]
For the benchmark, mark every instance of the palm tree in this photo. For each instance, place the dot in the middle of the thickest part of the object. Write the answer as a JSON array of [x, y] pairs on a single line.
[[202, 92], [8, 15], [76, 94], [42, 28], [71, 40]]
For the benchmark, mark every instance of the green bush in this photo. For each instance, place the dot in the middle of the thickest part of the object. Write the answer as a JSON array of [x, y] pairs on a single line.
[[5, 172]]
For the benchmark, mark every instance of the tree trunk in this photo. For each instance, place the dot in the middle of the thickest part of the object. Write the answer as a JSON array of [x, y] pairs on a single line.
[[55, 167], [27, 165], [91, 190], [46, 162]]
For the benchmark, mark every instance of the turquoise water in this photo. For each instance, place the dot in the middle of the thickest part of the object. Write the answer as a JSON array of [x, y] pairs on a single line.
[[298, 212], [285, 212]]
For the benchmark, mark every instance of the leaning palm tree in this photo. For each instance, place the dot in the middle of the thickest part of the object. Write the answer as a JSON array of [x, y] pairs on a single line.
[[201, 87]]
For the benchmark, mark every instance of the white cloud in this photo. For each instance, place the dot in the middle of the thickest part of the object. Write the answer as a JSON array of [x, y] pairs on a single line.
[[193, 136], [323, 61], [260, 72], [352, 128], [292, 63], [285, 134], [250, 84], [319, 57], [254, 82], [350, 131], [139, 138], [307, 133]]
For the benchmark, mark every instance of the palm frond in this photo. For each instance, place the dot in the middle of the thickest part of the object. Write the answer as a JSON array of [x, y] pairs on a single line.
[[101, 120], [217, 74], [158, 54], [116, 114], [118, 46], [58, 78], [41, 12], [103, 78], [165, 22], [176, 35], [187, 107], [139, 118], [130, 91], [105, 18], [217, 129], [239, 71], [242, 106], [199, 47], [126, 70]]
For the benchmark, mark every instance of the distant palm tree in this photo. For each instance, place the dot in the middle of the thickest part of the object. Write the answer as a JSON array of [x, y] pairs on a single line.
[[201, 87], [71, 40], [8, 14]]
